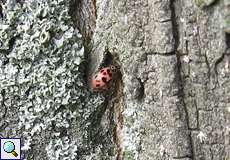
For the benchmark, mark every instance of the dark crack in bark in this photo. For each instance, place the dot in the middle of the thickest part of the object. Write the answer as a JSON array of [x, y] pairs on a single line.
[[182, 98], [180, 79], [84, 14], [216, 64], [174, 24], [141, 90], [3, 106], [227, 40], [1, 14]]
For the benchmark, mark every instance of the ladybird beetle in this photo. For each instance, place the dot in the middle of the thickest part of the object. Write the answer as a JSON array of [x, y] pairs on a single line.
[[102, 78]]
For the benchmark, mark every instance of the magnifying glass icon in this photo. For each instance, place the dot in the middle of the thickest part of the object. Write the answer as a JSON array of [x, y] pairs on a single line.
[[9, 147]]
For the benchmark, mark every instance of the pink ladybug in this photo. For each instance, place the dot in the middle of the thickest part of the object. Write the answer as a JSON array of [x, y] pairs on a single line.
[[103, 77]]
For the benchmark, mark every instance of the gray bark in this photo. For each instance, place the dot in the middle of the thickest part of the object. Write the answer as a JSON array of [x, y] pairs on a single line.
[[170, 101]]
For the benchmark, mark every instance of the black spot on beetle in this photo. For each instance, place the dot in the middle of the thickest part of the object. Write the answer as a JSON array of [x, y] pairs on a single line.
[[104, 79]]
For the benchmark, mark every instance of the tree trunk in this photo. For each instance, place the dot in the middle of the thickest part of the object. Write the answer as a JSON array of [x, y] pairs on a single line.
[[170, 99]]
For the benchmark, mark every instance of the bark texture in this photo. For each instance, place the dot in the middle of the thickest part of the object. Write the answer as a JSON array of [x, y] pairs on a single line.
[[170, 101], [174, 58]]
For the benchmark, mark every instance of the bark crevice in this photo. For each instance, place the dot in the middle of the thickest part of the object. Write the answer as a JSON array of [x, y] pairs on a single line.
[[180, 80]]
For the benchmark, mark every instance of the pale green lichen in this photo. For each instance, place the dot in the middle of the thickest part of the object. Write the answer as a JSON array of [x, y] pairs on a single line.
[[131, 140], [63, 147], [40, 57], [128, 155], [227, 21], [226, 17], [204, 3], [199, 2]]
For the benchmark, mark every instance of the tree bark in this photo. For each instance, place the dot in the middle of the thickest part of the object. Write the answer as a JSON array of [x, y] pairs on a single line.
[[170, 99]]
